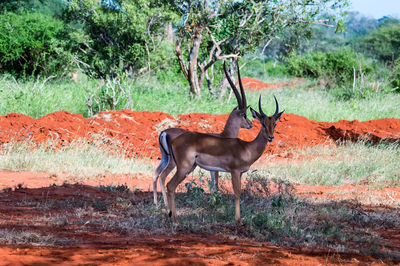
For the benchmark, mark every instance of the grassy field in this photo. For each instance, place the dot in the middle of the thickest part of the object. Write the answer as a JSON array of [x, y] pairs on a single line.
[[37, 98]]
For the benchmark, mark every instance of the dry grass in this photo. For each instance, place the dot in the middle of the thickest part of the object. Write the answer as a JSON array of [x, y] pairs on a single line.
[[345, 163], [80, 159]]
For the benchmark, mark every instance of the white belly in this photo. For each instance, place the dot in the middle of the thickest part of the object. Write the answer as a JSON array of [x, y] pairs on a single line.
[[211, 168]]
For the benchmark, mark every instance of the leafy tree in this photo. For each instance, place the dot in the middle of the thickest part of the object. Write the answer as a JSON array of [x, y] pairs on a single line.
[[48, 7], [32, 44], [384, 43], [215, 30], [117, 37]]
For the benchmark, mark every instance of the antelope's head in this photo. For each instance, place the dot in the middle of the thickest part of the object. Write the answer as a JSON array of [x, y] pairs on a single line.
[[239, 113], [268, 122]]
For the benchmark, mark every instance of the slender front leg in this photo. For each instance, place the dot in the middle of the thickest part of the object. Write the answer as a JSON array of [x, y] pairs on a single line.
[[179, 176], [236, 183]]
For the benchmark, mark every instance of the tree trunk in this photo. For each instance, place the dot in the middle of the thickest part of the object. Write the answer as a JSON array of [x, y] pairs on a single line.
[[194, 81]]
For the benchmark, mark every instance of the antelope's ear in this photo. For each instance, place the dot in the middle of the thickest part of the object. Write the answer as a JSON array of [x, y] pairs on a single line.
[[255, 114], [278, 116]]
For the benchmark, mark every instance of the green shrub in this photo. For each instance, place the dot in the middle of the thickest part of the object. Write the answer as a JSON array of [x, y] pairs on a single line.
[[32, 44], [337, 67], [396, 76]]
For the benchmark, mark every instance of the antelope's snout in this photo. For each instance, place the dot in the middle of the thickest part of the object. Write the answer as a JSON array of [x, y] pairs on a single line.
[[249, 124]]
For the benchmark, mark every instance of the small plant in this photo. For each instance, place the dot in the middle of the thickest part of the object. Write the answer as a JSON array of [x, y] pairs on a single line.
[[118, 188]]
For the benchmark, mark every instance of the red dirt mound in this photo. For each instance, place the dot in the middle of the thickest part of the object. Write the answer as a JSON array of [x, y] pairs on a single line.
[[137, 132], [256, 85]]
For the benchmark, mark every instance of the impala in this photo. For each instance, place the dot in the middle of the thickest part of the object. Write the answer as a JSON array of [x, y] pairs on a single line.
[[237, 119], [213, 153]]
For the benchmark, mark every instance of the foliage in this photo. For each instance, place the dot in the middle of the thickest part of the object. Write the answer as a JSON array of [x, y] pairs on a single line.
[[112, 38], [48, 7], [384, 43], [395, 79], [337, 67], [32, 44]]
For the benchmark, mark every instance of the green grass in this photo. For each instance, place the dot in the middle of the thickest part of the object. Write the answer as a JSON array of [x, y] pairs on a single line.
[[36, 99]]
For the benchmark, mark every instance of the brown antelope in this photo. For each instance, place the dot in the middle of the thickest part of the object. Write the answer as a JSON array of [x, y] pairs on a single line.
[[237, 119], [213, 153]]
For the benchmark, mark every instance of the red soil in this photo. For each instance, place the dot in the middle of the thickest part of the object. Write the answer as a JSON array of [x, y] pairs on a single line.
[[137, 132], [256, 85]]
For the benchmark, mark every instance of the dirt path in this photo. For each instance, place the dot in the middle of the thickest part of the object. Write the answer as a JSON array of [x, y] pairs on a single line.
[[180, 250]]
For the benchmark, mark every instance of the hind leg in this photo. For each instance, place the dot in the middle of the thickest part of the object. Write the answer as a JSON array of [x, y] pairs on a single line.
[[155, 177], [163, 177]]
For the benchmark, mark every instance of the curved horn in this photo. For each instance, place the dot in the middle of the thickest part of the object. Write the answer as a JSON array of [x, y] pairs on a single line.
[[277, 107], [235, 90], [259, 108], [241, 87]]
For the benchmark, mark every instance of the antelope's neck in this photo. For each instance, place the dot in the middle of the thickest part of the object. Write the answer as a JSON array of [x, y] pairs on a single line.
[[230, 130], [257, 146]]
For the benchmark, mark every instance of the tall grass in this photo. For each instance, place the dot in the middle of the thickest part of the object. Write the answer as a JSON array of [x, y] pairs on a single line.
[[79, 159], [347, 163]]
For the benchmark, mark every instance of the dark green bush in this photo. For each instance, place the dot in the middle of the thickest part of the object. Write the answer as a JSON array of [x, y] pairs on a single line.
[[32, 44], [337, 67]]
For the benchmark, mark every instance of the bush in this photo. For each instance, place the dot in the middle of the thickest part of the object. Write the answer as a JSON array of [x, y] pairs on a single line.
[[335, 67], [396, 76], [32, 44]]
